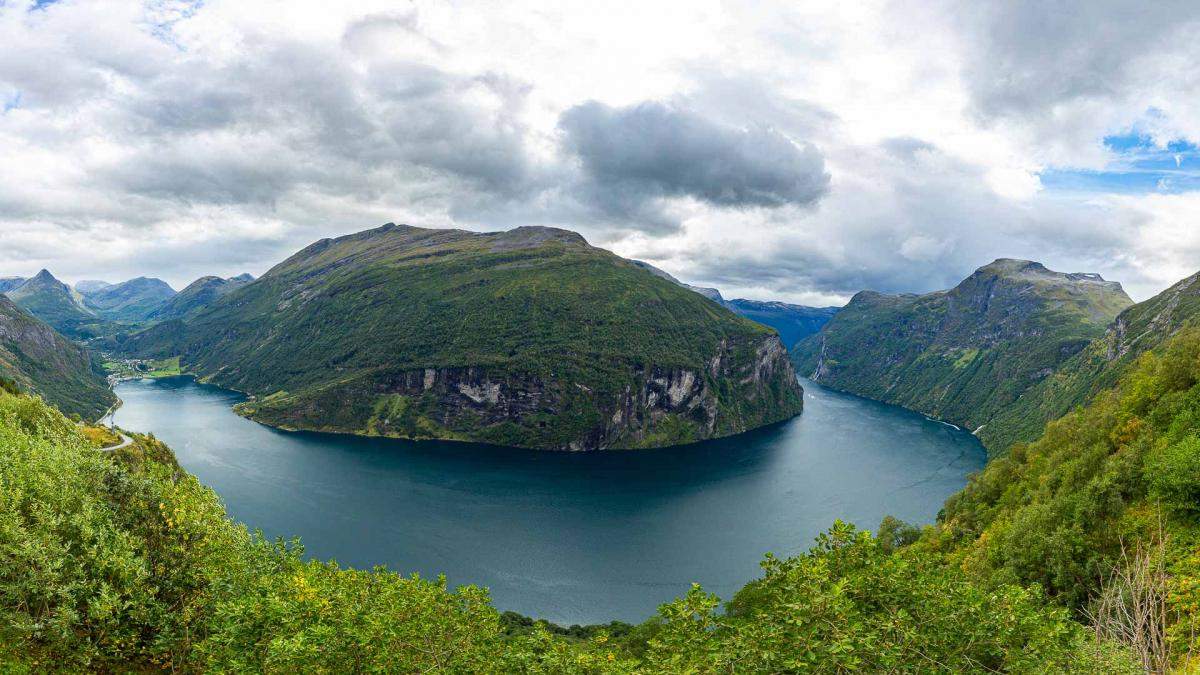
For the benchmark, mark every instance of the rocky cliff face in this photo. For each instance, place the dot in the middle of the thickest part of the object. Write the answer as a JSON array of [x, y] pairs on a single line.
[[493, 405]]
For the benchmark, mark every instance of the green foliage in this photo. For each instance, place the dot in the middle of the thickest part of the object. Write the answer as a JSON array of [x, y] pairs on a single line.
[[123, 562], [1173, 474], [849, 605], [1124, 471], [894, 534], [9, 386]]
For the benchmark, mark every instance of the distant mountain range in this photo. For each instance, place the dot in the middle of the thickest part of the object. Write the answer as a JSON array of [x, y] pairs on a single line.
[[57, 304], [793, 322], [529, 337], [198, 295], [966, 354], [130, 301]]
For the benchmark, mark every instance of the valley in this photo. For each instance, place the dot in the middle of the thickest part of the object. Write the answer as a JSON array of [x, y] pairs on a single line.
[[446, 362]]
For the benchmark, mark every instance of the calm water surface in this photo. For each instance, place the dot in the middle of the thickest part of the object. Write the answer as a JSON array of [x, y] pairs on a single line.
[[569, 537]]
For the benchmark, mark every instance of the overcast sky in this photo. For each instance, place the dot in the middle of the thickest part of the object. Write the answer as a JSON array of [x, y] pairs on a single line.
[[798, 151]]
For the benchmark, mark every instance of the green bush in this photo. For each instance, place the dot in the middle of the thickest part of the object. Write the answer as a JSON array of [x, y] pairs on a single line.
[[1173, 474]]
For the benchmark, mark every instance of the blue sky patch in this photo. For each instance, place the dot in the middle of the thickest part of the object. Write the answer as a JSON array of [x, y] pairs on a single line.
[[1140, 167]]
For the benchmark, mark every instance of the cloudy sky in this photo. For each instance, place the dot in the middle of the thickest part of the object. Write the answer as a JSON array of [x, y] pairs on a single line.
[[798, 151]]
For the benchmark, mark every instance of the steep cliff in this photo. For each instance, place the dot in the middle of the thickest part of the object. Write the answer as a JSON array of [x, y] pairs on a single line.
[[529, 338], [965, 354]]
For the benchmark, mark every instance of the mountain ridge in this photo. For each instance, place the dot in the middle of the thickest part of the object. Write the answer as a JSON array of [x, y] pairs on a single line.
[[962, 354], [528, 337]]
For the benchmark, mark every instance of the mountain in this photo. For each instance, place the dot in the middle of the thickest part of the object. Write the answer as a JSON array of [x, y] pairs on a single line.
[[133, 300], [198, 295], [10, 283], [964, 354], [41, 361], [1138, 329], [794, 322], [91, 286], [55, 303], [528, 338]]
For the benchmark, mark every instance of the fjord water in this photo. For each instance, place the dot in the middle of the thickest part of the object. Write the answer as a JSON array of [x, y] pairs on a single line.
[[569, 537]]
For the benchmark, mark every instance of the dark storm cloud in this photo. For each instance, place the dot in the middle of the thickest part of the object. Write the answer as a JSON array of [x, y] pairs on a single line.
[[636, 154]]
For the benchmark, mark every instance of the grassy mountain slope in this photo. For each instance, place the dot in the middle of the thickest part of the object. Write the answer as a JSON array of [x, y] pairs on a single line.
[[198, 295], [40, 360], [122, 562], [1136, 330], [794, 322], [529, 337], [1114, 485], [965, 354], [133, 300], [57, 304]]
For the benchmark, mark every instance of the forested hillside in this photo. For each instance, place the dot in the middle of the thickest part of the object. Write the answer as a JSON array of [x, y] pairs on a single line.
[[119, 562]]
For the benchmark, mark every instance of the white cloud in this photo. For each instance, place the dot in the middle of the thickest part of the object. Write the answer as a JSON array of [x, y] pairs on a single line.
[[184, 138]]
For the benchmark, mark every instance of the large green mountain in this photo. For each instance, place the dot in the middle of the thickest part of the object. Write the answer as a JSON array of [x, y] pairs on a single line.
[[1138, 329], [197, 295], [55, 303], [529, 337], [965, 354], [41, 361], [133, 300]]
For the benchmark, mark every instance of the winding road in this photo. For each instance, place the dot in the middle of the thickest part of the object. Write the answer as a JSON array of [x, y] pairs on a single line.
[[125, 442]]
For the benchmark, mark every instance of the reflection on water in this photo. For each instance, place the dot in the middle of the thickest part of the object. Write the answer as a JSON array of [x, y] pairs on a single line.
[[570, 537]]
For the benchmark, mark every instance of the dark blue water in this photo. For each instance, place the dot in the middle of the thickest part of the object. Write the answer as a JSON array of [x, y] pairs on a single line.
[[570, 537]]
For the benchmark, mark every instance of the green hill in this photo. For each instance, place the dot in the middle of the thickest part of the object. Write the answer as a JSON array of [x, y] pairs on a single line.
[[41, 361], [131, 301], [198, 295], [529, 337], [55, 303], [965, 354], [1136, 330]]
